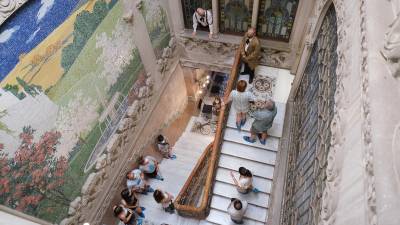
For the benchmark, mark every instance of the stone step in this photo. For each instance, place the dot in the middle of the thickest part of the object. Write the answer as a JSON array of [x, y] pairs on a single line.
[[258, 169], [229, 191], [263, 184], [252, 212], [222, 218], [248, 152], [234, 135]]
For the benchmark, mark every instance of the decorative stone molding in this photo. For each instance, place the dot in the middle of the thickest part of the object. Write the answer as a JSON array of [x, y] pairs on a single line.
[[205, 65], [391, 48], [366, 122], [166, 58], [333, 170], [275, 58], [8, 7]]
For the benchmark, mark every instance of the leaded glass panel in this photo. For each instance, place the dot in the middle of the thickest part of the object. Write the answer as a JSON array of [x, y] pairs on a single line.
[[276, 18], [189, 6], [235, 16]]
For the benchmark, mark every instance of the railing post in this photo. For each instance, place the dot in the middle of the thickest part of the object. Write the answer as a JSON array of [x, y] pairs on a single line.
[[254, 15]]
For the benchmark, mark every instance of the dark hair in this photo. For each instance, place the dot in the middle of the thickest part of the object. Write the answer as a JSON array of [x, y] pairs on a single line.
[[241, 86], [140, 160], [118, 210], [160, 138], [125, 194], [245, 172], [158, 196], [127, 175], [237, 204]]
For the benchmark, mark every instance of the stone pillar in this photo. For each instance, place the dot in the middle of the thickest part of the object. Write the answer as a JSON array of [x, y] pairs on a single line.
[[215, 11], [254, 16]]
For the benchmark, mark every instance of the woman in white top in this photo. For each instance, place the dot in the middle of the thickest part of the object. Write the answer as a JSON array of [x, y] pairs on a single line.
[[240, 102], [237, 209], [165, 199], [245, 182]]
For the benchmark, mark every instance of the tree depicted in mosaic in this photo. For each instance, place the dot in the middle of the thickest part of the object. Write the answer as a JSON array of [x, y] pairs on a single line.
[[276, 18], [33, 174], [235, 16]]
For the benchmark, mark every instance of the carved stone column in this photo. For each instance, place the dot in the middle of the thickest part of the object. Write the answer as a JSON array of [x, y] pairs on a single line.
[[215, 11], [254, 16]]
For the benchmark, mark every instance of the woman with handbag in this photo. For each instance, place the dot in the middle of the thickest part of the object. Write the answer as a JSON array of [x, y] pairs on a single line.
[[165, 199]]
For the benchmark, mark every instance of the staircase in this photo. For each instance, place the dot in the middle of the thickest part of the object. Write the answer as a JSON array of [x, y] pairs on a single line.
[[258, 158], [188, 149]]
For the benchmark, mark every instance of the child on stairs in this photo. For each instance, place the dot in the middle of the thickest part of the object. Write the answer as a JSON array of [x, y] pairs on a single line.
[[245, 183]]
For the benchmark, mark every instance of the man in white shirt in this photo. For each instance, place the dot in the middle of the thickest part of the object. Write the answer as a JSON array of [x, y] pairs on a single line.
[[204, 18], [237, 209]]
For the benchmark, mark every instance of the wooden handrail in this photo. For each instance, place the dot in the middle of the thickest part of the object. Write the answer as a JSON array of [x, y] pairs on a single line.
[[202, 211]]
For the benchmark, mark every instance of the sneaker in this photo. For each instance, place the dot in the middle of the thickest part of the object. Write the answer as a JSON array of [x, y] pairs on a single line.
[[248, 139], [255, 190], [172, 157], [150, 189], [158, 177], [263, 142]]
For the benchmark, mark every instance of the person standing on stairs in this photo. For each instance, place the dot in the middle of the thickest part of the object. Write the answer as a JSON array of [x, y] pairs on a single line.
[[245, 182], [250, 53], [165, 199], [164, 147], [240, 102], [263, 120], [149, 166], [135, 182], [205, 19], [237, 209]]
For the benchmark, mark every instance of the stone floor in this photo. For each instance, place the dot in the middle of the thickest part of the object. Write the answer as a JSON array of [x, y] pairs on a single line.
[[173, 132]]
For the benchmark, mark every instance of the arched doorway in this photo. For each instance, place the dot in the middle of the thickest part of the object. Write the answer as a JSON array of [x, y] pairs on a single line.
[[310, 133]]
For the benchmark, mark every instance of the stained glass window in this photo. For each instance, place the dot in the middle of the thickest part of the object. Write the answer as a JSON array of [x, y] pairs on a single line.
[[235, 15], [190, 6], [276, 18]]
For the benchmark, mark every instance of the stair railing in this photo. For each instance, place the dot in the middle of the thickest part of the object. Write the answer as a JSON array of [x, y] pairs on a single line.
[[207, 164]]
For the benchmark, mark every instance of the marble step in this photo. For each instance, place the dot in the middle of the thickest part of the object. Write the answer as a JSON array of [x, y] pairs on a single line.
[[263, 184], [222, 218], [275, 130], [229, 191], [234, 135], [258, 169], [248, 152], [252, 212]]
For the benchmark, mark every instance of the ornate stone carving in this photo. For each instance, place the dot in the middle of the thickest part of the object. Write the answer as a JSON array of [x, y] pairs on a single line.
[[8, 7], [167, 56], [275, 58], [391, 48], [366, 122]]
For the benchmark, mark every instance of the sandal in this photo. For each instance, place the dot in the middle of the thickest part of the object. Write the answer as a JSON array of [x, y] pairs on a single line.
[[248, 139]]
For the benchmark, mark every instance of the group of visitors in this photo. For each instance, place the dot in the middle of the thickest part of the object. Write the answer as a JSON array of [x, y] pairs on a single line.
[[129, 210]]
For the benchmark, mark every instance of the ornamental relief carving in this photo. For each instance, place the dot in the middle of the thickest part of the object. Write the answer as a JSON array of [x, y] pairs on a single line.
[[8, 7], [391, 48]]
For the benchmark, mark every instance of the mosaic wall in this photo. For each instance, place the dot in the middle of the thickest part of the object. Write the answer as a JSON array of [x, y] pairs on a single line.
[[276, 19], [235, 15], [310, 134], [68, 72], [157, 25]]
